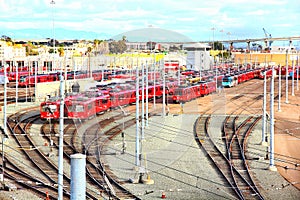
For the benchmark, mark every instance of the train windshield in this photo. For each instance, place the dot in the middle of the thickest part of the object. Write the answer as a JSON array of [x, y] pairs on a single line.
[[79, 108], [178, 92], [23, 79], [227, 79], [49, 108]]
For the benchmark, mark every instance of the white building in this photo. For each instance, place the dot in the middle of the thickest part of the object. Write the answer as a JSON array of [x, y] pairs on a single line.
[[198, 56], [12, 53]]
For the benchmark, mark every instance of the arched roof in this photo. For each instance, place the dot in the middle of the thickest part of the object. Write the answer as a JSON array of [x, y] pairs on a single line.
[[152, 34]]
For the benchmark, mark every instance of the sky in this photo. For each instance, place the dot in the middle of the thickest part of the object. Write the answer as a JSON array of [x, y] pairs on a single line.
[[102, 19]]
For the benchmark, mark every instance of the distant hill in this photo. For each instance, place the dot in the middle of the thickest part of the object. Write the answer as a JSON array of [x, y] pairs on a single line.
[[59, 34], [153, 34]]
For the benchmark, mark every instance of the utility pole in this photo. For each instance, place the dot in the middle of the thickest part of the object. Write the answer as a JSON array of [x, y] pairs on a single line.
[[287, 78], [61, 140], [53, 33], [293, 78], [297, 83], [17, 80], [272, 166], [137, 121], [154, 83], [264, 117], [5, 98], [147, 94], [164, 91], [143, 102], [35, 79], [4, 137], [279, 88]]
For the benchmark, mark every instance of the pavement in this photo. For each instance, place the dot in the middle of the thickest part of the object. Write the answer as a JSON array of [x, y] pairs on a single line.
[[173, 166]]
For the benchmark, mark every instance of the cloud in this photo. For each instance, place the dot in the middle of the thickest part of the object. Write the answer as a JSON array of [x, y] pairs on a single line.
[[193, 17]]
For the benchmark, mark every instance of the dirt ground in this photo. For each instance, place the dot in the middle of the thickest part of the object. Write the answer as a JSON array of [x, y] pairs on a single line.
[[287, 140]]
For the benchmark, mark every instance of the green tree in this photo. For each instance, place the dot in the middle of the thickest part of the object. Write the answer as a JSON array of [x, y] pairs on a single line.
[[88, 52], [31, 50], [6, 38], [61, 51], [218, 46], [117, 46]]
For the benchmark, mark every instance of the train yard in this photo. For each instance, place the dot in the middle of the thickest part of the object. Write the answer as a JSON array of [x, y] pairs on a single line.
[[198, 158]]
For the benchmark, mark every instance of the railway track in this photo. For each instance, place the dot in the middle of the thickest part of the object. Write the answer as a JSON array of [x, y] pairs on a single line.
[[23, 180], [96, 139], [231, 163], [94, 187], [98, 176], [24, 94], [19, 126]]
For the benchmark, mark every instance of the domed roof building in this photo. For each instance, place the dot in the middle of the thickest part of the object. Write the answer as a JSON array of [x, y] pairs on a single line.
[[153, 34]]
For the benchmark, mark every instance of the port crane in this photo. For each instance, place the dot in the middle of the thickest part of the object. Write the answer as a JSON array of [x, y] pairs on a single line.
[[268, 40]]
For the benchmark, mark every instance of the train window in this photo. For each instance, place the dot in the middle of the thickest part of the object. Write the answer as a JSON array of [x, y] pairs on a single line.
[[225, 79], [178, 92], [89, 106], [104, 101], [44, 108], [79, 108]]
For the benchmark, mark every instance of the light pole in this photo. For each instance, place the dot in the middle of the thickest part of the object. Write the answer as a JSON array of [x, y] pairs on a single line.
[[17, 79], [4, 138], [272, 166], [213, 45], [286, 78], [53, 33], [222, 48]]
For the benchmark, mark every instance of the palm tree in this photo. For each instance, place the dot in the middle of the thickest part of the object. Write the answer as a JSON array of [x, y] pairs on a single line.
[[89, 50], [61, 51]]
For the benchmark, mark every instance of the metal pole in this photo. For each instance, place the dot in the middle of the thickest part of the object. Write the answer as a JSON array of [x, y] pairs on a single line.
[[143, 102], [5, 99], [279, 88], [115, 66], [164, 91], [147, 94], [4, 137], [293, 78], [263, 138], [4, 116], [137, 136], [102, 74], [53, 65], [286, 78], [297, 83], [2, 160], [178, 75], [216, 78], [17, 81], [61, 140], [272, 166], [29, 70], [154, 84], [35, 80]]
